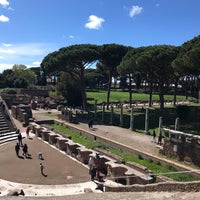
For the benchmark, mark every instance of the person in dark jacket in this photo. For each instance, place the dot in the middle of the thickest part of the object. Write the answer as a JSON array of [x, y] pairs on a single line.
[[17, 148], [25, 150], [19, 137]]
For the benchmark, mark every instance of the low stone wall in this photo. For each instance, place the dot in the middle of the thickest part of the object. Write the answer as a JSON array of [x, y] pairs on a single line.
[[34, 92], [158, 187]]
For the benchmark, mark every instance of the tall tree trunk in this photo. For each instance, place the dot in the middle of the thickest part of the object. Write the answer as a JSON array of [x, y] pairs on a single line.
[[130, 90], [161, 95], [83, 93], [199, 95], [175, 90], [108, 91], [198, 89], [150, 93]]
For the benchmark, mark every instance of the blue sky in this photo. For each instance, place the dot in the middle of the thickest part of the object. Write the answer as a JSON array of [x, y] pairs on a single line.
[[30, 29]]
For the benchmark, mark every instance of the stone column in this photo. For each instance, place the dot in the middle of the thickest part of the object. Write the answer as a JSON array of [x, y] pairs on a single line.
[[121, 116], [132, 119], [177, 124], [160, 125], [70, 116], [103, 112], [95, 109], [111, 115], [147, 121]]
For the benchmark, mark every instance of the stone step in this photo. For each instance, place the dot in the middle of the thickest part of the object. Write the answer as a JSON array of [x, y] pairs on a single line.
[[8, 137], [4, 128], [8, 133], [3, 141], [2, 122]]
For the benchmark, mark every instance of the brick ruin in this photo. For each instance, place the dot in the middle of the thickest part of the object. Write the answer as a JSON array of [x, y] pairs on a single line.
[[182, 146]]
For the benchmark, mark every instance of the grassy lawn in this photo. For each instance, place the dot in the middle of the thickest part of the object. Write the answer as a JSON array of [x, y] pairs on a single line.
[[116, 96]]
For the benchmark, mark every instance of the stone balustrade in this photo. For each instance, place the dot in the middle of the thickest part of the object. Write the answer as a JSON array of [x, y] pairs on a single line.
[[61, 143], [45, 135], [52, 137], [72, 148], [84, 154]]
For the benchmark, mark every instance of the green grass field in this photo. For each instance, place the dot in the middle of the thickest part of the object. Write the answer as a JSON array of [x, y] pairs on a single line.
[[116, 96]]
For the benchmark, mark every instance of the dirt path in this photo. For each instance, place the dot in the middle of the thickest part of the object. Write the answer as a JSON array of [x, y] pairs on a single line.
[[59, 168]]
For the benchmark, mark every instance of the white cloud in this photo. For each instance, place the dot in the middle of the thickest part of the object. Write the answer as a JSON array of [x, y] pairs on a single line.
[[3, 18], [4, 3], [94, 22], [29, 54], [71, 37], [28, 49], [135, 10], [7, 51], [37, 63], [6, 45], [4, 66]]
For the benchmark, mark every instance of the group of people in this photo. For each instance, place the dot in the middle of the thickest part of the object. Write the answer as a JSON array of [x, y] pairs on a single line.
[[19, 145], [24, 149], [93, 169]]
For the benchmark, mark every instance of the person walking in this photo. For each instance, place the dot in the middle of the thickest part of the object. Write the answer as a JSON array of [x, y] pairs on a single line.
[[90, 123], [25, 150], [27, 132], [42, 169], [91, 164], [17, 148], [19, 138]]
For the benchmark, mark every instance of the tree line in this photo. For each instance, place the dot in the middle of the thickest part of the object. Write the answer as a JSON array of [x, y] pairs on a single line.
[[79, 66], [159, 66]]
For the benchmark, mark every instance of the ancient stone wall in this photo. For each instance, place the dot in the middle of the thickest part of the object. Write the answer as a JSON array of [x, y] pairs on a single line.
[[34, 92], [158, 187], [182, 146], [22, 113]]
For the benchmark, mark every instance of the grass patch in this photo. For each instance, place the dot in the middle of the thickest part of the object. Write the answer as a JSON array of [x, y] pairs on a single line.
[[76, 137]]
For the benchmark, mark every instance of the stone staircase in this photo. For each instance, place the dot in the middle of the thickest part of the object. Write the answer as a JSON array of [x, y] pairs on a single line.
[[7, 132]]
